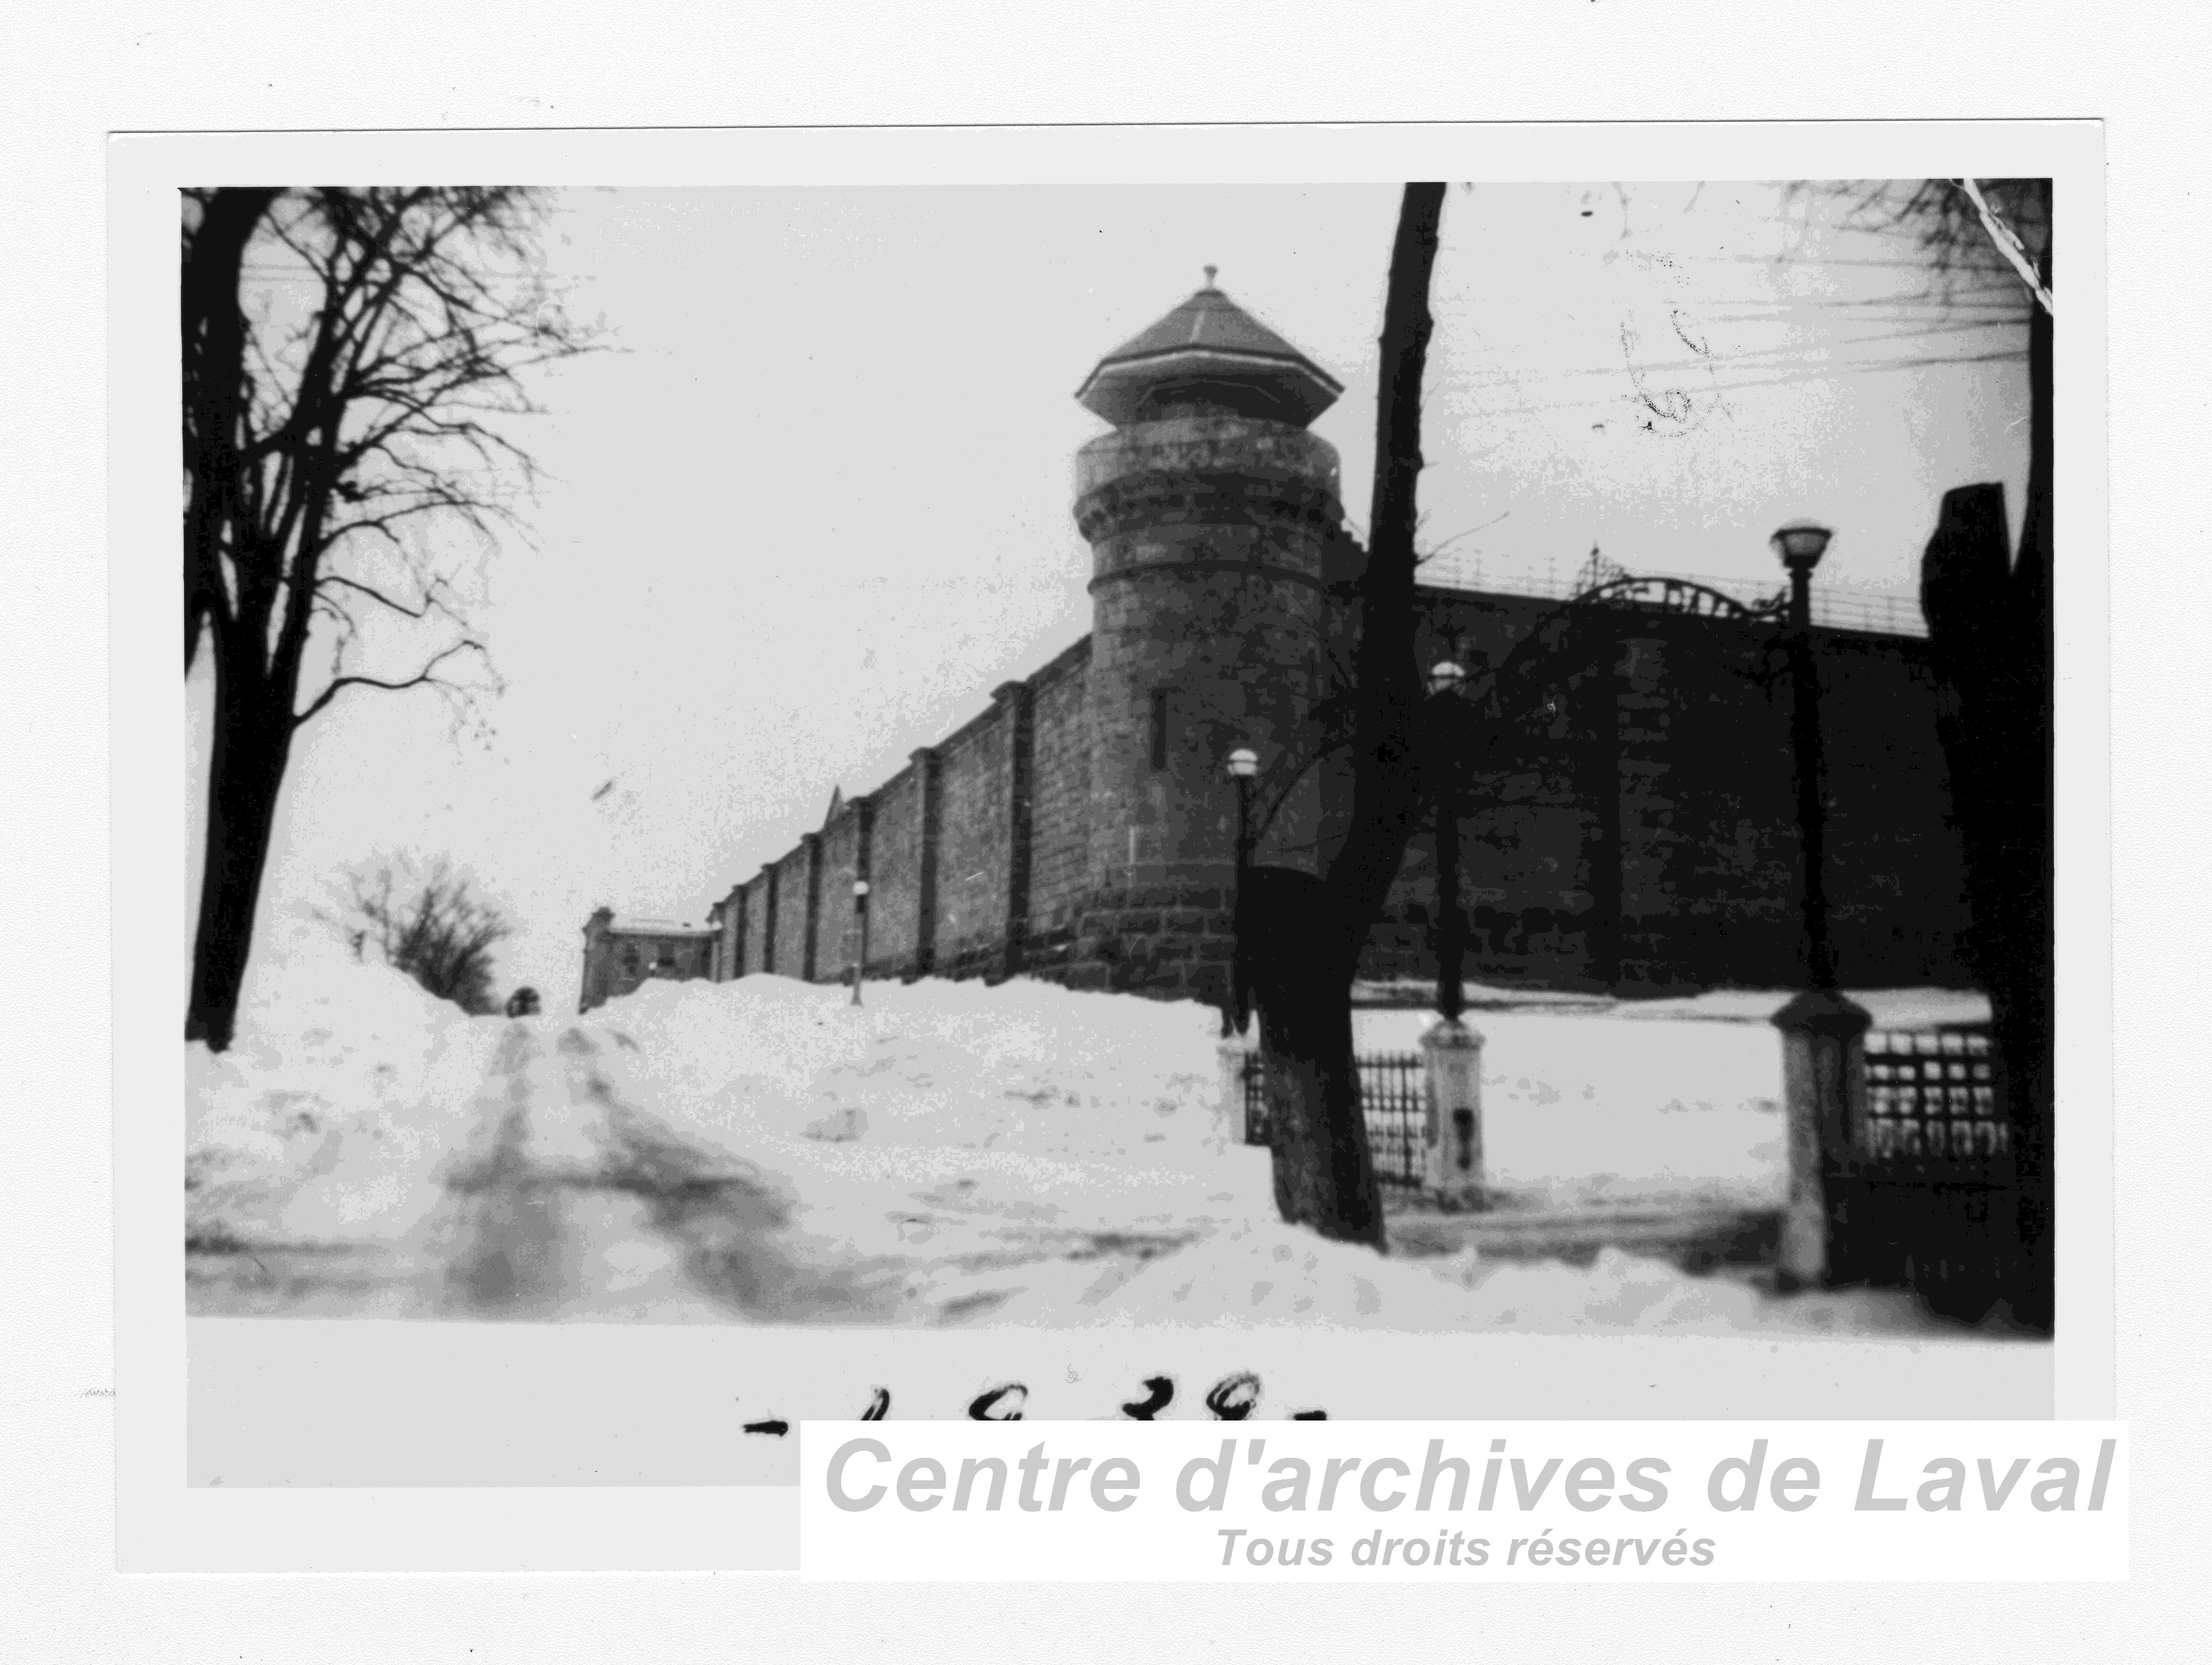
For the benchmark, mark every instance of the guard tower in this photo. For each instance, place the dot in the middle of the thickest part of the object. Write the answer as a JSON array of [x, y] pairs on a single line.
[[1216, 528]]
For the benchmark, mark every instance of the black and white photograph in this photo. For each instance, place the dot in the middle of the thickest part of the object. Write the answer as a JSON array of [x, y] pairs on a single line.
[[1426, 776], [1314, 763]]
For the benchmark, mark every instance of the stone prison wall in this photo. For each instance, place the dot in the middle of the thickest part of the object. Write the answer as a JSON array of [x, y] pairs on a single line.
[[1631, 827]]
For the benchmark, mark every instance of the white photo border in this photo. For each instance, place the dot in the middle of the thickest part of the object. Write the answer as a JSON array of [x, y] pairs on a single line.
[[166, 1522]]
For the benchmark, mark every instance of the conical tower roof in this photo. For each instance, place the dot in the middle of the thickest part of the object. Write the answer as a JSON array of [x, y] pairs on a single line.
[[1209, 342]]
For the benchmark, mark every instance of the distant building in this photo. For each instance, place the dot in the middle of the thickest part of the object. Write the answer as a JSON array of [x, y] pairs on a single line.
[[621, 953], [1630, 828]]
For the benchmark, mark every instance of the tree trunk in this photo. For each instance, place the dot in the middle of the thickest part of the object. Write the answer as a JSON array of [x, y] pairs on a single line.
[[253, 743], [1299, 938], [1324, 1171], [213, 331]]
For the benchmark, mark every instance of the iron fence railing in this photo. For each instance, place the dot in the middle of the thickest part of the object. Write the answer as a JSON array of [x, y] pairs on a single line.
[[1934, 1100], [1934, 1109], [1393, 1098], [1930, 1199]]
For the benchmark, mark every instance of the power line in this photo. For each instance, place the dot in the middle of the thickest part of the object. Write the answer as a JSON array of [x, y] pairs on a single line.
[[1905, 264], [1821, 374], [1923, 328], [1927, 306], [1753, 357]]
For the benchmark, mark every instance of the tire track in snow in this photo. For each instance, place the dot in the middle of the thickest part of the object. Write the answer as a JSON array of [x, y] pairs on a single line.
[[569, 1199], [505, 1240], [568, 1173]]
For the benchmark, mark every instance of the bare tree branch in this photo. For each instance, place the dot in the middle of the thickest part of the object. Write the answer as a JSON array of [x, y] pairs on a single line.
[[426, 678]]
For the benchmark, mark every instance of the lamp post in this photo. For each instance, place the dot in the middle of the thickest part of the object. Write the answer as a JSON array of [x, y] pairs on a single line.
[[1800, 544], [1823, 1033], [1243, 766], [1451, 1052], [1445, 678], [860, 917]]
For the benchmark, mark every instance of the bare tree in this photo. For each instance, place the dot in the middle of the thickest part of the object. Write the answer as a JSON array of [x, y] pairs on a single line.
[[424, 920], [348, 356], [1300, 936]]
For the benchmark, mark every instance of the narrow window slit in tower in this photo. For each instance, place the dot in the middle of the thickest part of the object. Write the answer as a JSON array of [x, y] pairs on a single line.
[[1160, 728]]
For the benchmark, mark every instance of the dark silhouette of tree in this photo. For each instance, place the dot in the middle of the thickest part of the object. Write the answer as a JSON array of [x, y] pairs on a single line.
[[1990, 621], [1299, 936], [214, 331], [348, 356], [426, 922]]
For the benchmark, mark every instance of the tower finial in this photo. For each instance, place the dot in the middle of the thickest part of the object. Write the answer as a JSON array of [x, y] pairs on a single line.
[[1210, 271]]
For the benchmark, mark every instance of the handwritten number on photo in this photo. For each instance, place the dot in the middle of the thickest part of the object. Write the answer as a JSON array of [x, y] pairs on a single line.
[[1234, 1397], [1160, 1394], [999, 1404]]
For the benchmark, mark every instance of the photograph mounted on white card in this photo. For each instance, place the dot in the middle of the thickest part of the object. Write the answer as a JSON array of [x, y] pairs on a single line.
[[1509, 796]]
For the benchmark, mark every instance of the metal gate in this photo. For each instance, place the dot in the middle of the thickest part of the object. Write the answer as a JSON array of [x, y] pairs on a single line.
[[1926, 1198], [1393, 1099]]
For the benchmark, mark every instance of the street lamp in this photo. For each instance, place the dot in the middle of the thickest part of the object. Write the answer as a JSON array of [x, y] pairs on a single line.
[[1446, 678], [1800, 544], [860, 917], [1243, 765]]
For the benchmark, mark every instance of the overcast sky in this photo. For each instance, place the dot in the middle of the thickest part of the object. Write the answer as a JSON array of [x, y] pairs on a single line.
[[817, 504]]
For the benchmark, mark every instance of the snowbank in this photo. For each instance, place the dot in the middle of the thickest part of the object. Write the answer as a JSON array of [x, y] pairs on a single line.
[[1024, 1068], [330, 1115], [945, 1125], [1262, 1273]]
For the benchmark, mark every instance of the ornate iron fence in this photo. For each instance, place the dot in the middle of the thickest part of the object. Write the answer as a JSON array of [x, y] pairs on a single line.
[[1393, 1098], [1932, 1101], [1927, 1196]]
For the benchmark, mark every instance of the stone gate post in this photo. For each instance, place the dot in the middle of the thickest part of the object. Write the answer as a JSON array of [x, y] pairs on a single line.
[[1823, 1102], [1452, 1166]]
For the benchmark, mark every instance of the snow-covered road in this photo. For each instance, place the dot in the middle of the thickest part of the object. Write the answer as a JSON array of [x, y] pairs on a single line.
[[573, 1192], [951, 1154], [567, 1199]]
